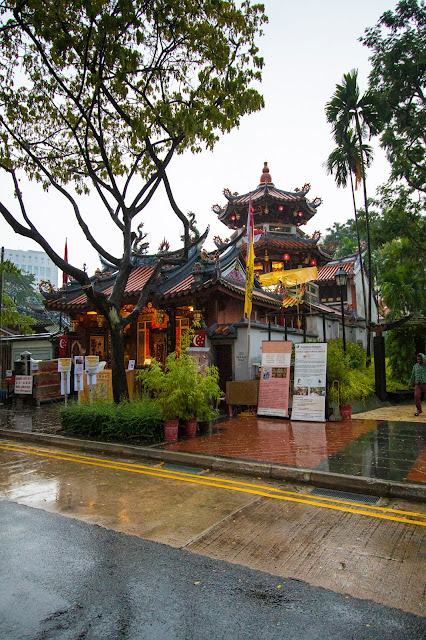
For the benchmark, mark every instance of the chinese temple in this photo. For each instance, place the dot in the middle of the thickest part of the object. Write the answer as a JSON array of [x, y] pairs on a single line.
[[294, 294]]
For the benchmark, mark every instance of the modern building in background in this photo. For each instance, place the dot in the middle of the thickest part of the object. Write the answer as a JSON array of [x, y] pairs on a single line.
[[37, 263]]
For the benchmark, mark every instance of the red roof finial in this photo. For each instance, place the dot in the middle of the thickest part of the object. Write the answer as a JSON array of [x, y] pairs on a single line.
[[265, 178]]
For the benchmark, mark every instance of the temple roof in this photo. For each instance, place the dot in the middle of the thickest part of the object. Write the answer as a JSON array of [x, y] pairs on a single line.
[[273, 204]]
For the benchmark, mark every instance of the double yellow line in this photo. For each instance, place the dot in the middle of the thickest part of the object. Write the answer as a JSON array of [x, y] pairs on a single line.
[[232, 485]]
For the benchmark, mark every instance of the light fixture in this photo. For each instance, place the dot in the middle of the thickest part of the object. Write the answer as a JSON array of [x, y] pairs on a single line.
[[232, 217], [300, 214], [280, 208], [92, 313], [313, 262], [286, 257]]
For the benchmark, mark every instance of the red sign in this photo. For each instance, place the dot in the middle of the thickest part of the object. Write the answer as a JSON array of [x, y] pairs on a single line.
[[63, 346], [199, 339]]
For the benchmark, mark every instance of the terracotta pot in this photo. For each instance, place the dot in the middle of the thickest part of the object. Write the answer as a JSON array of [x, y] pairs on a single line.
[[171, 428], [190, 428], [345, 411]]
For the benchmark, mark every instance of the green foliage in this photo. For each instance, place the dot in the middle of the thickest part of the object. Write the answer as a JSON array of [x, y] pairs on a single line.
[[93, 86], [401, 352], [182, 390], [402, 277], [356, 381], [16, 290], [398, 80], [125, 421]]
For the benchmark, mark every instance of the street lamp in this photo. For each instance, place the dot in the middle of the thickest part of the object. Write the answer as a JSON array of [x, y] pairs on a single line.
[[341, 280]]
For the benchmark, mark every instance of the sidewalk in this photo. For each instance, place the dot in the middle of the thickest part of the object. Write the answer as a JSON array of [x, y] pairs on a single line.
[[382, 452]]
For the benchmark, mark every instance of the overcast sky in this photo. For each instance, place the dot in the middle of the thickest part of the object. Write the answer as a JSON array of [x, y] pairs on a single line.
[[307, 48]]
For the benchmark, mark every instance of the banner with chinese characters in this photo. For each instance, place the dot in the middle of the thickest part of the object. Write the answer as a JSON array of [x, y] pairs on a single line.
[[274, 379], [310, 371]]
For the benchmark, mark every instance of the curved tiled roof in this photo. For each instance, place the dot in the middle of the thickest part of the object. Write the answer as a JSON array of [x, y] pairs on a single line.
[[328, 271]]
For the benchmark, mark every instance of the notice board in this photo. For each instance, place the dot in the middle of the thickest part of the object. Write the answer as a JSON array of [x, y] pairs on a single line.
[[274, 379], [310, 370]]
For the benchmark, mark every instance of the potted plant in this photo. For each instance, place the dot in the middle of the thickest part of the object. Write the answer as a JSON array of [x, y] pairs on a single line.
[[183, 391]]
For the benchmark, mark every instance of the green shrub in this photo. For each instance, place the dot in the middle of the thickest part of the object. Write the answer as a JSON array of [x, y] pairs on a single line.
[[125, 421], [356, 381]]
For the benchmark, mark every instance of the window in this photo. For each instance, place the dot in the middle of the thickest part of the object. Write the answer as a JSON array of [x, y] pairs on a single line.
[[36, 271], [42, 271], [48, 272]]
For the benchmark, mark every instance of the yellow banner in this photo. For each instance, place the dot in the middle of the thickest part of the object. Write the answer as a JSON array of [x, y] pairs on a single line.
[[289, 278], [249, 280]]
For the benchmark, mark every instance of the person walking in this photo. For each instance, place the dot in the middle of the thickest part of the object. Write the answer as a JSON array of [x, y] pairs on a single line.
[[418, 379]]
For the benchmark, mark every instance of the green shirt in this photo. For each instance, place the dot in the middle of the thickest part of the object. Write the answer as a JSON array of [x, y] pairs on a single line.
[[418, 374]]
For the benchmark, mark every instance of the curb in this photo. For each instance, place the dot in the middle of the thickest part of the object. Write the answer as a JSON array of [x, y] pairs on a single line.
[[326, 479]]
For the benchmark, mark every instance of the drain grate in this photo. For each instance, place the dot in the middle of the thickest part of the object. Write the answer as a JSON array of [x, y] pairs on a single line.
[[178, 467], [344, 495]]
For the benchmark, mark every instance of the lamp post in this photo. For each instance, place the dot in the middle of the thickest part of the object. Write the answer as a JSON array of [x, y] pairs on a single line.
[[341, 280]]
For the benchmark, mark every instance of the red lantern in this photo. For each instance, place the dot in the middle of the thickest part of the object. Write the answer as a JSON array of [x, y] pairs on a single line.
[[313, 262], [300, 214], [286, 257], [280, 208], [232, 217]]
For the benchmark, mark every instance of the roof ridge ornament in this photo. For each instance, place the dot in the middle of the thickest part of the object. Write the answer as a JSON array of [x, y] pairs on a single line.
[[265, 178]]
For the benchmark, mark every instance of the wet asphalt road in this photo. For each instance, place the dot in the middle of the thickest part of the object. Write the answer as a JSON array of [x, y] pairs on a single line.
[[63, 579]]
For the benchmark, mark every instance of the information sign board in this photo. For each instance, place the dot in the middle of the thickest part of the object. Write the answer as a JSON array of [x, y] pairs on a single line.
[[310, 371], [24, 384], [274, 379]]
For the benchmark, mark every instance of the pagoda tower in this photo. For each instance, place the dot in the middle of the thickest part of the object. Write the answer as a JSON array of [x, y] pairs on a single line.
[[280, 243]]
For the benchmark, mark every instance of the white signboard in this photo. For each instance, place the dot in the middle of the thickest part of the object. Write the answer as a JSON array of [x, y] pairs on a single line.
[[310, 373], [24, 384], [131, 365], [64, 364], [91, 364]]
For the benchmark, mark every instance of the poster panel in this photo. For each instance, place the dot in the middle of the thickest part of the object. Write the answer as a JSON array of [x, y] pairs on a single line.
[[24, 384], [310, 371], [274, 379]]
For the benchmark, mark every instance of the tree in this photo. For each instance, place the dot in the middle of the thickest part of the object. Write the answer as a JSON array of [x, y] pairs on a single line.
[[345, 162], [12, 281], [398, 81], [104, 94], [345, 108]]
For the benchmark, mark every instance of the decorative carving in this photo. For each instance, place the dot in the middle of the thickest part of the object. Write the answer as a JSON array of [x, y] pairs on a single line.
[[138, 245], [216, 208], [46, 286], [306, 187], [316, 202], [316, 235], [219, 242], [164, 246]]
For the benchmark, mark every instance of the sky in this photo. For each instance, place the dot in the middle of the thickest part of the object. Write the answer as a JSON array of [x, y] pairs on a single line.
[[307, 47]]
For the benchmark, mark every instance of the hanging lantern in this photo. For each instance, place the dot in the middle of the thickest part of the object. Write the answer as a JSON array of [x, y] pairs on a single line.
[[281, 208], [313, 262], [232, 217], [300, 214], [286, 257]]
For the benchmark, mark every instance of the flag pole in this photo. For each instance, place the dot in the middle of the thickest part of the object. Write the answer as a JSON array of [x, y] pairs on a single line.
[[249, 279]]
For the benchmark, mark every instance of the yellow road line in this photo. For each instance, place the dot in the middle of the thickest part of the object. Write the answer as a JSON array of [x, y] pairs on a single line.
[[29, 449], [216, 483]]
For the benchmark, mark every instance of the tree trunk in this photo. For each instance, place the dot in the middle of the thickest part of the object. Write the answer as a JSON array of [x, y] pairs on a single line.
[[367, 226], [359, 245], [120, 389]]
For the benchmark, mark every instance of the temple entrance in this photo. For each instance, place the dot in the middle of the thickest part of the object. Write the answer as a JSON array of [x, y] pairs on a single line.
[[223, 360]]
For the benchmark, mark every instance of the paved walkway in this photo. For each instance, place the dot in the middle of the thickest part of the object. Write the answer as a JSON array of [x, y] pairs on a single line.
[[387, 443]]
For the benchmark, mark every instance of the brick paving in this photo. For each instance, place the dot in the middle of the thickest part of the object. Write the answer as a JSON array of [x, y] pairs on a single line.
[[385, 449]]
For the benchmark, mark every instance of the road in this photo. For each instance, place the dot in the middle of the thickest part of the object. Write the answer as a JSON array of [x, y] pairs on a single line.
[[195, 555]]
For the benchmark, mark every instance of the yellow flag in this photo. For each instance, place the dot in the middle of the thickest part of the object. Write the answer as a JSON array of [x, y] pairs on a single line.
[[250, 263]]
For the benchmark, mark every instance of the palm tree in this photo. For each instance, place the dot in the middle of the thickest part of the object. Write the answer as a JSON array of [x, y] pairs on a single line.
[[347, 107], [345, 162]]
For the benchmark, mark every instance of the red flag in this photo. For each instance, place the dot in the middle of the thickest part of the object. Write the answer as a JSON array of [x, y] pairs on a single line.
[[65, 275]]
